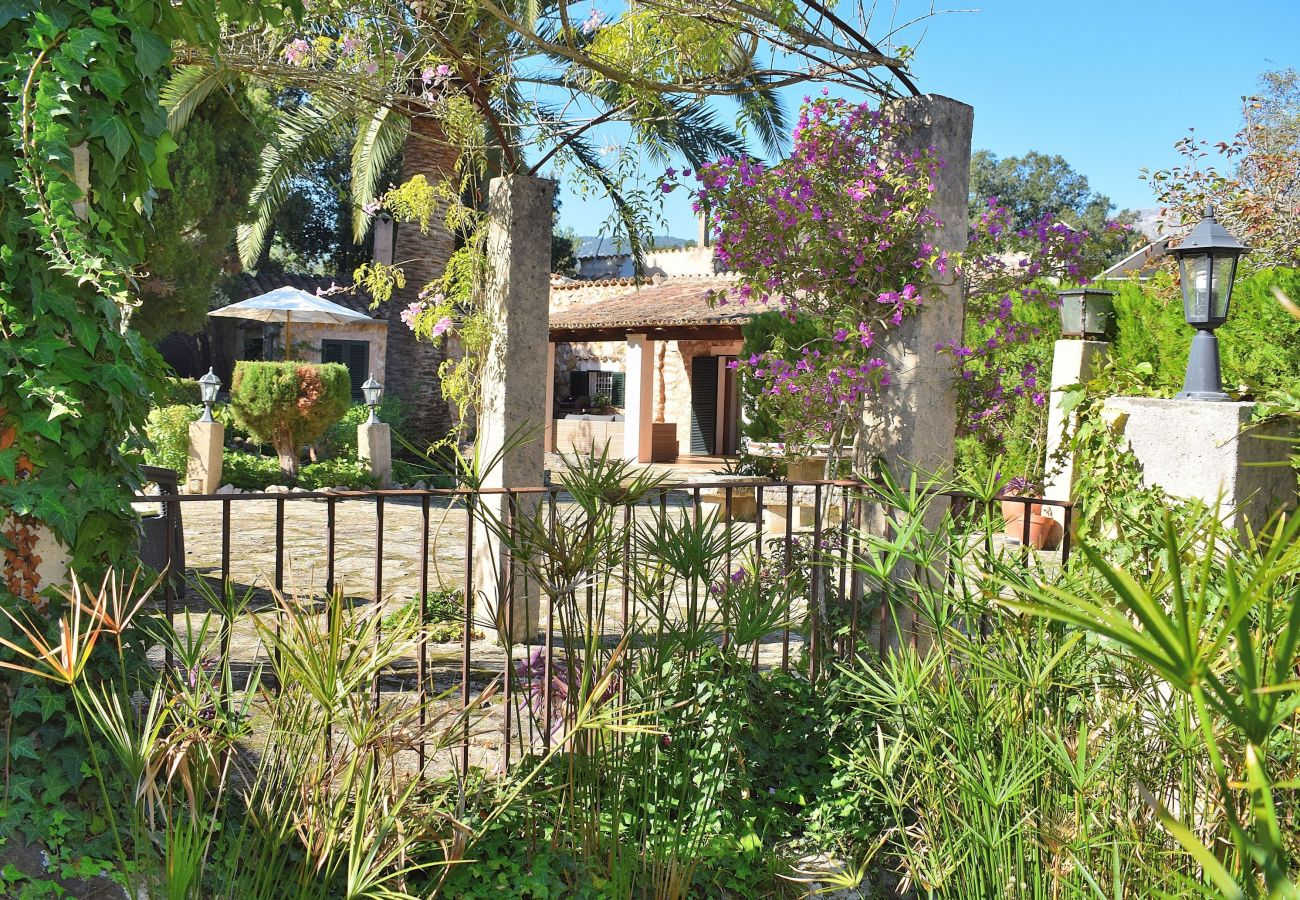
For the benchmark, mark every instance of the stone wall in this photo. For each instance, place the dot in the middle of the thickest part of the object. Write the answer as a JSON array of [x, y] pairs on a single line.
[[413, 365], [307, 340]]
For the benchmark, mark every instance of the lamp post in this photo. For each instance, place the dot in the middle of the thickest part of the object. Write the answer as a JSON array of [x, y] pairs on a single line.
[[1085, 312], [1207, 262], [209, 384], [372, 390]]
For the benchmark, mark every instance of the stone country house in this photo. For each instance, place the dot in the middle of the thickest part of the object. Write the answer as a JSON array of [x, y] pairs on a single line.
[[639, 366], [643, 368]]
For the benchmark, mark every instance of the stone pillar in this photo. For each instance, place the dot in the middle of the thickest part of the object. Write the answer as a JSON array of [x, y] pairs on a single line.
[[548, 424], [913, 422], [375, 449], [1073, 362], [203, 466], [1210, 451], [514, 377], [638, 409]]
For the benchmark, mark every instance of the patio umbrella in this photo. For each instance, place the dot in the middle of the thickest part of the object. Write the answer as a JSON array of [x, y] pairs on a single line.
[[289, 305]]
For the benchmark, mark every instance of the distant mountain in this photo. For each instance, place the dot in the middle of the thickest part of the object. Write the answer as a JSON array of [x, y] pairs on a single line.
[[1153, 225], [609, 246]]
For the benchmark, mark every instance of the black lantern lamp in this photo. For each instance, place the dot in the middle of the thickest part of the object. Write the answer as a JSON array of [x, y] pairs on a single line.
[[372, 390], [1207, 263], [1085, 312], [209, 384]]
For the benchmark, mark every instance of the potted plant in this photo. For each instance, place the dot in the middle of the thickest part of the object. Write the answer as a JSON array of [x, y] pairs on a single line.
[[1045, 532]]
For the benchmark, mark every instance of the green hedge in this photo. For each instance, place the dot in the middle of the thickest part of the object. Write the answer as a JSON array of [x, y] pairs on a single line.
[[1259, 345], [340, 440], [761, 333]]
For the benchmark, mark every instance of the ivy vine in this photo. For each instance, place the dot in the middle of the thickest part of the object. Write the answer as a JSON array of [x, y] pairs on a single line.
[[87, 146]]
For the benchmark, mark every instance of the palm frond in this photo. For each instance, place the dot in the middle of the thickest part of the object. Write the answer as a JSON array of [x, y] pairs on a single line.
[[188, 87], [307, 132], [379, 139]]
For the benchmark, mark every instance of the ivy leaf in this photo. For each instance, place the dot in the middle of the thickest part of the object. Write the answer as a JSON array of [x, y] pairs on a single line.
[[104, 17], [151, 51], [86, 333], [117, 137], [23, 746], [109, 82], [13, 9], [81, 42]]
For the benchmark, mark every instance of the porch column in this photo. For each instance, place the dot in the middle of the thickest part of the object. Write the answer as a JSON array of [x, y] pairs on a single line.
[[638, 409], [548, 424]]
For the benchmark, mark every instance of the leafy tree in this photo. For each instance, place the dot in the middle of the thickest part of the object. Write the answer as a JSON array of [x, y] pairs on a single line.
[[191, 233], [1255, 192], [289, 404], [1037, 186], [564, 251]]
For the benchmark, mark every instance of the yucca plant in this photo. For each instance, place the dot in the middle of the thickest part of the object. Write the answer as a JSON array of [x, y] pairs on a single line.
[[1011, 751], [1219, 624]]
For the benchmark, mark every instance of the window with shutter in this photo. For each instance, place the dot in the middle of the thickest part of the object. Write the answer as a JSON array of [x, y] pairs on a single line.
[[618, 389], [353, 354]]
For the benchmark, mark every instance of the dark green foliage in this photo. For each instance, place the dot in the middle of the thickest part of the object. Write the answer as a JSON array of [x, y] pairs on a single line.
[[1259, 345], [171, 390], [340, 440], [192, 231], [764, 332], [336, 473], [251, 473], [289, 404], [564, 249]]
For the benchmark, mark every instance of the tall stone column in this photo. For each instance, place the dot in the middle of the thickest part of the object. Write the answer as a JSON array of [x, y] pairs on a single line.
[[514, 376], [913, 422]]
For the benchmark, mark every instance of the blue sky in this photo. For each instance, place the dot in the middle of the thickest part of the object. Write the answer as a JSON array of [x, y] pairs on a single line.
[[1108, 85]]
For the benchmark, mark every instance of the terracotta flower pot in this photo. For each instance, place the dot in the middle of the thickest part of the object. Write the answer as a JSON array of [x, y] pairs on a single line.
[[1044, 533]]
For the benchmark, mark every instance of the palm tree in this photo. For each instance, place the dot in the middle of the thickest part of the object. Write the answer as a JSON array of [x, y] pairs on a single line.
[[477, 121]]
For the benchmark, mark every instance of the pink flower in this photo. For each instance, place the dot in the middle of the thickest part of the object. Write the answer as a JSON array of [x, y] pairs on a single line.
[[441, 326], [296, 51]]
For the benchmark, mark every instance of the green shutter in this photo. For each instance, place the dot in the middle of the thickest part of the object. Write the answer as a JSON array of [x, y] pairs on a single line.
[[618, 389]]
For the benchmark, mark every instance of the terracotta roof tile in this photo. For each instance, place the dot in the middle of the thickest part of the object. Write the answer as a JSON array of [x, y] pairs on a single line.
[[675, 302]]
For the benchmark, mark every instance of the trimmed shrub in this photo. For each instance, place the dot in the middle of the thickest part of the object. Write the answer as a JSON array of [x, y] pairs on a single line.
[[249, 472], [336, 473], [289, 404], [168, 433]]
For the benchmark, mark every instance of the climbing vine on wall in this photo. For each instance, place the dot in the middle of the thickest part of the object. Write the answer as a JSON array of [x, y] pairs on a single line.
[[87, 144]]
